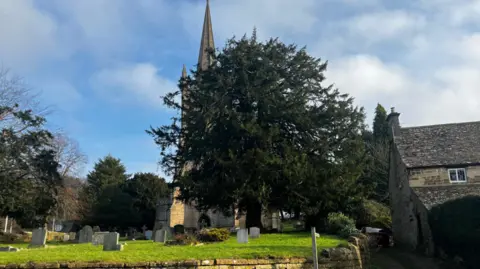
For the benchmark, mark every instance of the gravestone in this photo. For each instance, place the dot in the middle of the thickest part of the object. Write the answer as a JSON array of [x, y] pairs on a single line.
[[96, 229], [39, 238], [254, 232], [72, 235], [9, 249], [148, 234], [161, 236], [66, 237], [98, 238], [86, 235], [242, 236], [110, 242]]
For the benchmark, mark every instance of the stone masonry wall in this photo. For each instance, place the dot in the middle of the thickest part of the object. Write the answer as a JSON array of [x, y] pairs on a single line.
[[177, 210], [439, 176], [404, 221], [355, 255]]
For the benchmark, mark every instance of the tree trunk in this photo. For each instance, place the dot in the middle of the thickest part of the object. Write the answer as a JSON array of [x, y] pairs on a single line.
[[296, 214], [254, 215]]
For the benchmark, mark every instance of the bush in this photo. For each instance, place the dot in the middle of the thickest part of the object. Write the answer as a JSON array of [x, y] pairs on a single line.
[[339, 224], [183, 240], [374, 214], [213, 235], [7, 237], [454, 225]]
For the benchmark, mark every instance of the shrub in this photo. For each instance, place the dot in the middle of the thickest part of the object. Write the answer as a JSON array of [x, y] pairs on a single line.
[[454, 225], [7, 237], [340, 224], [374, 214], [213, 235], [183, 239]]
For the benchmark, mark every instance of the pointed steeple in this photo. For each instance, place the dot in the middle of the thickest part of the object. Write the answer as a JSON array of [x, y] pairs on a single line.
[[184, 72], [206, 42]]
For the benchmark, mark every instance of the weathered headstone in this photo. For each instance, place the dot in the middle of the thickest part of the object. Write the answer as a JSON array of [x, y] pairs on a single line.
[[148, 234], [110, 242], [9, 249], [161, 235], [254, 232], [86, 235], [98, 238], [242, 236], [39, 238], [72, 235], [66, 237], [96, 229]]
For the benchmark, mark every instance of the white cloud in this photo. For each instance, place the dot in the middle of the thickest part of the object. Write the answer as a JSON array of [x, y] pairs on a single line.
[[271, 17], [27, 35], [385, 24], [133, 83]]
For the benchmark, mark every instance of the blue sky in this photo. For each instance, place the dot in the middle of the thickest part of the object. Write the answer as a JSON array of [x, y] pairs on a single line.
[[102, 64]]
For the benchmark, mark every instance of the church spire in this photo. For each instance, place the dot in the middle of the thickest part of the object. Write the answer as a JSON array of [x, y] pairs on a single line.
[[184, 72], [206, 42]]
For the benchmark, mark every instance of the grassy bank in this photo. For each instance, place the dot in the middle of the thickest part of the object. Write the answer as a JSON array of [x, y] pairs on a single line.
[[268, 245]]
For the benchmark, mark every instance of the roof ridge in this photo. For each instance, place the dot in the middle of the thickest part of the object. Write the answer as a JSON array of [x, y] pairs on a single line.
[[441, 124]]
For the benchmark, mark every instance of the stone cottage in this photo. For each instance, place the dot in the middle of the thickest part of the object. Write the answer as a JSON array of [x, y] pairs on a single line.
[[429, 165], [173, 212]]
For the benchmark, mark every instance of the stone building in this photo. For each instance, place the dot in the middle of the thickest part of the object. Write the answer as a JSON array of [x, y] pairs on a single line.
[[172, 212], [429, 165]]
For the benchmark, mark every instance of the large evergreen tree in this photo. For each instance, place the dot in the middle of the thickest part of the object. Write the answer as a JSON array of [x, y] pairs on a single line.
[[260, 129], [146, 189], [108, 174]]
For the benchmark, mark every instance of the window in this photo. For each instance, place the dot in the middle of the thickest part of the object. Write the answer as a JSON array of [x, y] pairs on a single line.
[[457, 175]]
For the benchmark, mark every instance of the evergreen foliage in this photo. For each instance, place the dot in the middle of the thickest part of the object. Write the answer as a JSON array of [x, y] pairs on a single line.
[[117, 201], [28, 171], [146, 189], [380, 124], [454, 225], [375, 176], [260, 129]]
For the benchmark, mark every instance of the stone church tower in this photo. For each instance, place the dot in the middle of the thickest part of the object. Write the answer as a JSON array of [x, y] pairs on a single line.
[[171, 211]]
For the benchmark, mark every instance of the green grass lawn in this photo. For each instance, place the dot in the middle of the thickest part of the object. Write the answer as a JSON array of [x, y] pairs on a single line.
[[268, 245]]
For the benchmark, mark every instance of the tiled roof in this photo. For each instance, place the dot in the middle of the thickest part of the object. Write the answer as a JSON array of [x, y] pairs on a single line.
[[436, 195], [438, 145]]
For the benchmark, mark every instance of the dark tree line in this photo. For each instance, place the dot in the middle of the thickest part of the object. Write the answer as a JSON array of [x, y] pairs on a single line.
[[114, 199]]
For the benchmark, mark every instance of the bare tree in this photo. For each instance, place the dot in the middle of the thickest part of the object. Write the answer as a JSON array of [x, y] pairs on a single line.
[[71, 159], [16, 94]]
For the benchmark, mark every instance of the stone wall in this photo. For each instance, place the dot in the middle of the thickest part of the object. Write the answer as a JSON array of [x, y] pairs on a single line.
[[177, 210], [439, 176], [355, 255], [404, 222]]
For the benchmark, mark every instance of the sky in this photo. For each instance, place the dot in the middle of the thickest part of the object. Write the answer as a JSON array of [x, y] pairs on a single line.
[[102, 65]]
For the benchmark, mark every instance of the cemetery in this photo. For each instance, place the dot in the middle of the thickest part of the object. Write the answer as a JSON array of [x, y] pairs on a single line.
[[268, 246]]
